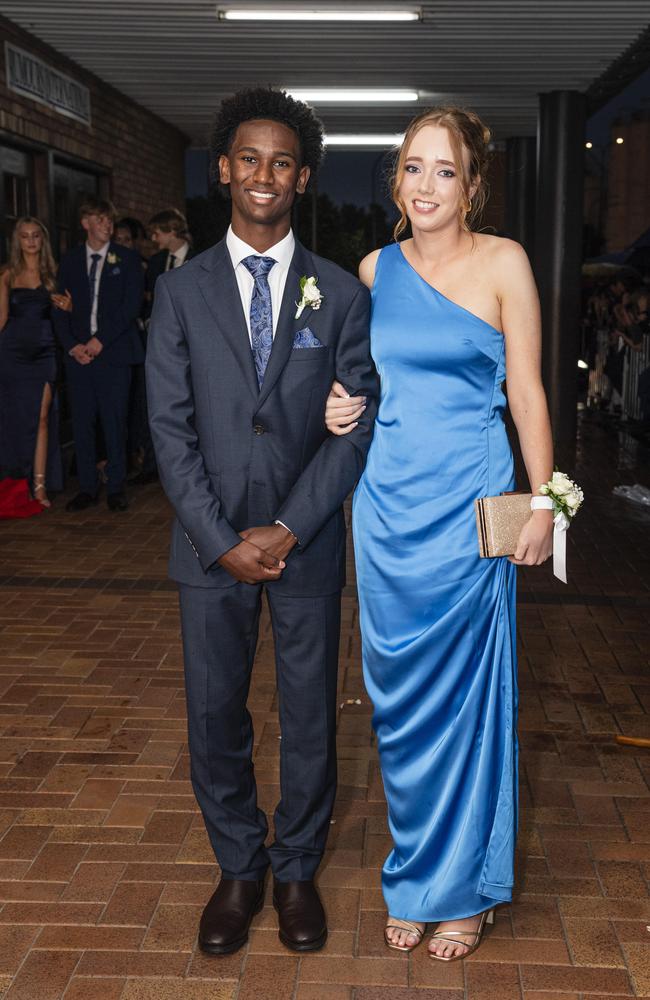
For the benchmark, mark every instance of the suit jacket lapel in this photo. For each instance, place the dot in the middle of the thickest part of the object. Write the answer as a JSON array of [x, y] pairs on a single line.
[[288, 325], [112, 249], [82, 303], [218, 286]]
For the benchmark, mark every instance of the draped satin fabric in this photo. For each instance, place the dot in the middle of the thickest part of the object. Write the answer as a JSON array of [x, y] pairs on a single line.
[[437, 621]]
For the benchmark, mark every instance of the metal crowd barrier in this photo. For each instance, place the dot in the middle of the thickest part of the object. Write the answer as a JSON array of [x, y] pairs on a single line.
[[634, 363]]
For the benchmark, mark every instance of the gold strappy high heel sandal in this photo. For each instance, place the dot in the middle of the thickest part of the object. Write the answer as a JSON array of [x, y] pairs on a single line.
[[394, 923], [39, 490], [456, 937]]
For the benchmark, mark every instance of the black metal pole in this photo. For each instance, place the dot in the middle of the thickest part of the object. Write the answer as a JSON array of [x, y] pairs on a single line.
[[521, 152], [558, 253]]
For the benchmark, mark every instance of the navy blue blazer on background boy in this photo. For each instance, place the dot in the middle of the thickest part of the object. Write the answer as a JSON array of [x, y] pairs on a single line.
[[101, 343], [237, 384]]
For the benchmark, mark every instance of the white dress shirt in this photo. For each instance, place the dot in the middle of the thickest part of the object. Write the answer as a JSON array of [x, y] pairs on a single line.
[[94, 296], [178, 255], [282, 252]]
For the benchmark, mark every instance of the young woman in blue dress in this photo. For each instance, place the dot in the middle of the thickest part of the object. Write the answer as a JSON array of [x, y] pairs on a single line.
[[455, 312]]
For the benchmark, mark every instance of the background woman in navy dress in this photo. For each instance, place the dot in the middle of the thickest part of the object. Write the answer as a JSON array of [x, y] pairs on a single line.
[[453, 313], [29, 439]]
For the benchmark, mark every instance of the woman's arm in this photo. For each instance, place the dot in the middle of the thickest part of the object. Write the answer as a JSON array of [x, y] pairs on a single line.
[[521, 321], [4, 298], [342, 411]]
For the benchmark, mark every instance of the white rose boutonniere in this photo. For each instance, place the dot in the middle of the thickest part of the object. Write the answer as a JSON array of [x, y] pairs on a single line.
[[112, 258], [311, 295]]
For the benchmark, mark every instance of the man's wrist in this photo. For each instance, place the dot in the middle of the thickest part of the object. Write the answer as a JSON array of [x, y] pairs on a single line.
[[286, 528]]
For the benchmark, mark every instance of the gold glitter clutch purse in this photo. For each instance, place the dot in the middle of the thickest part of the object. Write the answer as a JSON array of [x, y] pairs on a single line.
[[499, 521]]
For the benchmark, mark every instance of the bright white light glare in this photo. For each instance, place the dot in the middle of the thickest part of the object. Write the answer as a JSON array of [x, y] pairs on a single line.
[[387, 140], [589, 145], [620, 141], [582, 364], [315, 14], [352, 95]]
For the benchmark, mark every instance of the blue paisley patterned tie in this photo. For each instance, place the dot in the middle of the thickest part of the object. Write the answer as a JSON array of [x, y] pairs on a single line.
[[261, 313]]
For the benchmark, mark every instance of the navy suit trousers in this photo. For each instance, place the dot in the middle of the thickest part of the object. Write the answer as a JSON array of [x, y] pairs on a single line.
[[99, 392], [220, 628]]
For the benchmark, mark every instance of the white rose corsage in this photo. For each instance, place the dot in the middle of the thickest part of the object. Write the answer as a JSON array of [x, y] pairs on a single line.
[[564, 497], [311, 296]]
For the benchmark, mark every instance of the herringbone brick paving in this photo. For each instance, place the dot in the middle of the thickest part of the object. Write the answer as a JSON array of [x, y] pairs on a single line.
[[104, 863]]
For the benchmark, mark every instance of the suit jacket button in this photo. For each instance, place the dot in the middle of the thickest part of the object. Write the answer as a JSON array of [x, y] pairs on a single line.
[[259, 429]]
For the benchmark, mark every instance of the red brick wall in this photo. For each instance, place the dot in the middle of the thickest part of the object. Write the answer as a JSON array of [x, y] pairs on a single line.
[[142, 155]]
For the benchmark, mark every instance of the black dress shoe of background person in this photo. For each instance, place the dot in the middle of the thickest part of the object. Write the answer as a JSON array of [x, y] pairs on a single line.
[[227, 916], [81, 502], [143, 479], [117, 501], [303, 926]]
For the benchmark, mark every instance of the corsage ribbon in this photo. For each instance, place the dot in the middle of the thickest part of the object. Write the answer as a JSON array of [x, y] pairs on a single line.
[[560, 524]]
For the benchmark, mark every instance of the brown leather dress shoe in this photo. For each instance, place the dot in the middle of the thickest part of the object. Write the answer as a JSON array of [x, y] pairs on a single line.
[[227, 916], [303, 926]]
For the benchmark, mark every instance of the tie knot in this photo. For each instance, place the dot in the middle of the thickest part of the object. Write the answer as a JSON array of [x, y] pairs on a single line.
[[96, 256], [259, 267]]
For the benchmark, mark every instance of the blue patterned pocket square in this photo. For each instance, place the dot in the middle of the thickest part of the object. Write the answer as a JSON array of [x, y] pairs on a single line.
[[305, 338]]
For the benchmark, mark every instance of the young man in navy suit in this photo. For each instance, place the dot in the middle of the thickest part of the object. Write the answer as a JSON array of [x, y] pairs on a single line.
[[239, 366], [101, 342], [168, 230]]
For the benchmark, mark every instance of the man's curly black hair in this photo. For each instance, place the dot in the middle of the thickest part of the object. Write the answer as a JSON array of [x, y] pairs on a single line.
[[266, 103]]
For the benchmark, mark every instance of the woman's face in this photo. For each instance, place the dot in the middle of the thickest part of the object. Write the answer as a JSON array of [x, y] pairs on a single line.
[[30, 238], [430, 188]]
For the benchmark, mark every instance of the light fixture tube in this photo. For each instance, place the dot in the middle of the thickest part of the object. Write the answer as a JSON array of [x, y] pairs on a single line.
[[353, 95], [315, 14], [378, 139]]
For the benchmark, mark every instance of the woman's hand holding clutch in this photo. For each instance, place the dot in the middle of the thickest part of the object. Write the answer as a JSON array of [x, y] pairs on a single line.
[[342, 410], [535, 543]]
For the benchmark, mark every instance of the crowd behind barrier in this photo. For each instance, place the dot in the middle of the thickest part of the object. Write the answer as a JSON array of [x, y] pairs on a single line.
[[616, 346]]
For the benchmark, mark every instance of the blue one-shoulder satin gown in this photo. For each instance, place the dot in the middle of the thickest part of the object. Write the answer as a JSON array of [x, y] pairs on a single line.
[[437, 621]]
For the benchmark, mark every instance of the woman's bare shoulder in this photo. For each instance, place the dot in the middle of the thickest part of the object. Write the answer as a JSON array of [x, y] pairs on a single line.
[[367, 268], [500, 250]]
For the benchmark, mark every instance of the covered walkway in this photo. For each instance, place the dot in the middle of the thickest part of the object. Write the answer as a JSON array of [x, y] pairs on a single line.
[[104, 864]]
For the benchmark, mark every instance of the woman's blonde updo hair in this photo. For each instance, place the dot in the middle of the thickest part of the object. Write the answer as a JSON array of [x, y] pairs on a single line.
[[465, 129]]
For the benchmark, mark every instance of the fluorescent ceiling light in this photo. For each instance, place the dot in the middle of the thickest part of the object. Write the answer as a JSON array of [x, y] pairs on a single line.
[[386, 140], [315, 14], [353, 95]]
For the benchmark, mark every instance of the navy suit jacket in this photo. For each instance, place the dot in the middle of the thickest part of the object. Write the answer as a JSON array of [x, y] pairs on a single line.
[[155, 267], [231, 456], [121, 289]]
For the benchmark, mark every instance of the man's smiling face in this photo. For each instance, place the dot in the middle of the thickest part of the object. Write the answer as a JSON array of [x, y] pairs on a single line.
[[264, 173]]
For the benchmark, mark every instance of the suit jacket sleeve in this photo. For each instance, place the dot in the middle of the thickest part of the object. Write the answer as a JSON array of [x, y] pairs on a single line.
[[335, 468], [171, 420], [121, 316], [61, 319]]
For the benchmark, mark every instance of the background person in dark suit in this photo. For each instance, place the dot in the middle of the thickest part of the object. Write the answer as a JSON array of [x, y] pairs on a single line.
[[237, 379], [101, 342], [168, 230]]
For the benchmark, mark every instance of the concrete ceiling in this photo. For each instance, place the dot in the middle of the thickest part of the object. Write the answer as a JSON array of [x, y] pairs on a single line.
[[177, 59]]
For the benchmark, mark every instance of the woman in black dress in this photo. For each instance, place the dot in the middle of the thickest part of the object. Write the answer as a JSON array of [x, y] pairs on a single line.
[[29, 438]]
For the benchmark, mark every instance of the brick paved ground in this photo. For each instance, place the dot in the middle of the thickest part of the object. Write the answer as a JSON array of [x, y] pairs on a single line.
[[104, 865]]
